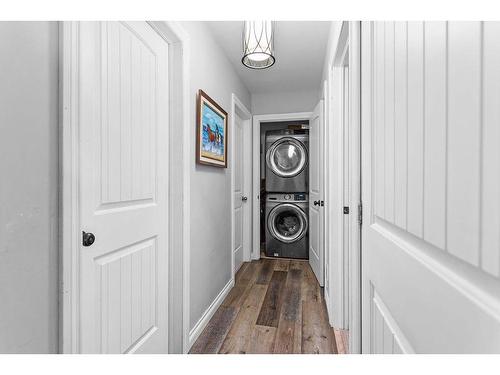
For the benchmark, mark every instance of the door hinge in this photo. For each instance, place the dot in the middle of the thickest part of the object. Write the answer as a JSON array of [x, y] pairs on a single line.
[[346, 210], [360, 214]]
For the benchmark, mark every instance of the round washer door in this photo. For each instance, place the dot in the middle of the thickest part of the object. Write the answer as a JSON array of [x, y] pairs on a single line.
[[286, 157], [287, 223]]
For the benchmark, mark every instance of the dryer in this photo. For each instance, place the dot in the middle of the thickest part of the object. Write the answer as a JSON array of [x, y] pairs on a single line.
[[287, 153], [287, 225]]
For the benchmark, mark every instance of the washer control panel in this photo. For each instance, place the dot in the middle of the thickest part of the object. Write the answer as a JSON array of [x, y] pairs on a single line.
[[300, 196], [286, 197]]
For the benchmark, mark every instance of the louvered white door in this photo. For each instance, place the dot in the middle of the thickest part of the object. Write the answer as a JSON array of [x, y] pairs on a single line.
[[430, 187], [316, 211], [123, 109]]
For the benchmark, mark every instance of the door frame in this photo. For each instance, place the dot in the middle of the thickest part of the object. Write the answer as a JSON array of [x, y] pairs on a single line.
[[345, 37], [336, 181], [238, 108], [179, 157], [297, 116]]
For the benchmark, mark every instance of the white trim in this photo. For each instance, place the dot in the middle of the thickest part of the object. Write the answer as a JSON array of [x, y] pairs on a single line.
[[179, 50], [70, 238], [186, 216], [209, 313], [335, 180], [355, 161], [237, 106], [333, 186], [344, 35], [255, 253], [70, 223], [367, 97], [326, 234]]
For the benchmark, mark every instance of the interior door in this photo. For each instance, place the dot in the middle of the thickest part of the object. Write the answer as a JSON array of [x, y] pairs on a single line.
[[238, 195], [346, 173], [316, 211], [430, 176], [123, 108]]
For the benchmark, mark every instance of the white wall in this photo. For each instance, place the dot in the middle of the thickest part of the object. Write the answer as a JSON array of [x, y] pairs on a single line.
[[284, 102], [28, 188], [210, 186]]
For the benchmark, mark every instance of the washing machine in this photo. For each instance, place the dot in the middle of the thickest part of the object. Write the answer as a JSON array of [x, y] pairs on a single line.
[[287, 225], [287, 161]]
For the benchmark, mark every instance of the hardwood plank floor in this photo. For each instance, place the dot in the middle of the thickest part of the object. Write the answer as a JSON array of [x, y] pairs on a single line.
[[270, 311], [289, 335], [276, 306], [216, 331]]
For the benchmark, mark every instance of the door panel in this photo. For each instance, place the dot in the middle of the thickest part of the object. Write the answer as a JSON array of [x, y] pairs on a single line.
[[123, 187], [346, 237], [430, 165], [316, 212], [238, 193]]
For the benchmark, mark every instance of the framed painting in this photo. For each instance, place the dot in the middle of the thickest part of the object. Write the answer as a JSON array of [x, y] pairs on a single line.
[[211, 134]]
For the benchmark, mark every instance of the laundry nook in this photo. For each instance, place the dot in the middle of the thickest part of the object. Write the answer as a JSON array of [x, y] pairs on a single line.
[[286, 214]]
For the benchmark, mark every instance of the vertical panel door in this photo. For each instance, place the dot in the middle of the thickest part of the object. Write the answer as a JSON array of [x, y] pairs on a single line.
[[123, 119], [238, 194], [430, 187], [316, 210]]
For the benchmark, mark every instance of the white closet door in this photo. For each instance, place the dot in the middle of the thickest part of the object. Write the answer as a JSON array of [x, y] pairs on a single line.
[[316, 194], [123, 109], [238, 194], [430, 187]]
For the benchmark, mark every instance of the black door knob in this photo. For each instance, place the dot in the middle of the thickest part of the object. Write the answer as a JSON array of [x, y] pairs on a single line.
[[87, 238], [316, 203]]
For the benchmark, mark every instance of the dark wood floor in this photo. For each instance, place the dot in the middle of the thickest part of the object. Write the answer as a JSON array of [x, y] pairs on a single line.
[[276, 306]]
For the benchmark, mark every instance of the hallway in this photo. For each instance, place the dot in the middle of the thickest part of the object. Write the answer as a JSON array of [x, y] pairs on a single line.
[[240, 186], [276, 306]]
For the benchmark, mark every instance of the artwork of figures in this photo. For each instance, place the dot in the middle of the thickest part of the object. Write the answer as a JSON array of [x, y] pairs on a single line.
[[211, 145]]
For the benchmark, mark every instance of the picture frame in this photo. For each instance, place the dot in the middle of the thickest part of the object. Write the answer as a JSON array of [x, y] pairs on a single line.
[[211, 132]]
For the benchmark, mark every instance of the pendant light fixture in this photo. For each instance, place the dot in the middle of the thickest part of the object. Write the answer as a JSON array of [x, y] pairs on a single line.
[[258, 44]]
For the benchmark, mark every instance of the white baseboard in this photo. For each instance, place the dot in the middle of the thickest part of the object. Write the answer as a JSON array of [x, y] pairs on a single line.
[[207, 315]]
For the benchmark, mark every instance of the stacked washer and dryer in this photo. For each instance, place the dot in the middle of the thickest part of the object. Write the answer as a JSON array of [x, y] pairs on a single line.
[[287, 204]]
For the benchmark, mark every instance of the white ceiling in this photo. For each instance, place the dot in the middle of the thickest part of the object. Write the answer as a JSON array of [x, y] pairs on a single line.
[[300, 54]]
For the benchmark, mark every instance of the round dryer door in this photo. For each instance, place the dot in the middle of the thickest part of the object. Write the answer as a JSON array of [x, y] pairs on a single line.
[[287, 223], [286, 157]]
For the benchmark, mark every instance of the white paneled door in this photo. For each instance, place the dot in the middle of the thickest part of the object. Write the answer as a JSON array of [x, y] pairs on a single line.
[[124, 121], [430, 187], [316, 193], [239, 197]]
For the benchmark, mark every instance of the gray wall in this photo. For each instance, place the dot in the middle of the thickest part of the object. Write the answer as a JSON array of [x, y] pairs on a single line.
[[284, 102], [28, 187], [210, 186]]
